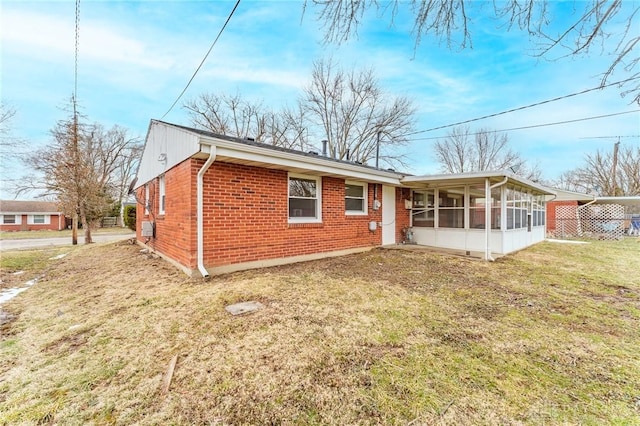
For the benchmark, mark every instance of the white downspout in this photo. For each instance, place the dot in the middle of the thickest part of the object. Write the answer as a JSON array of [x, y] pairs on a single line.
[[487, 216], [200, 211]]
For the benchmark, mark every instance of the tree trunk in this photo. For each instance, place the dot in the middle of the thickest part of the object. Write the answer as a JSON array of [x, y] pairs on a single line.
[[86, 226]]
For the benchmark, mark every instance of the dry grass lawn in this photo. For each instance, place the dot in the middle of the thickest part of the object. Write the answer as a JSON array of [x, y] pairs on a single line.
[[550, 335]]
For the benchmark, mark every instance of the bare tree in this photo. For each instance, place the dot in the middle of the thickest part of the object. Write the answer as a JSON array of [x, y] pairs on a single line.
[[289, 129], [126, 163], [10, 145], [243, 118], [597, 173], [483, 150], [354, 114], [83, 168], [590, 25], [348, 109], [229, 115]]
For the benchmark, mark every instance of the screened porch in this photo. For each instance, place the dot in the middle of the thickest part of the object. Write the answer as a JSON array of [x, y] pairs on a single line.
[[477, 213]]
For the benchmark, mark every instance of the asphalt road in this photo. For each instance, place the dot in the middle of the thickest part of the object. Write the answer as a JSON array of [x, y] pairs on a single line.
[[30, 243]]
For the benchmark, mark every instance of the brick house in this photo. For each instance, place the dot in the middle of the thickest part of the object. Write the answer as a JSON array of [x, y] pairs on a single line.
[[213, 204], [16, 215], [217, 204]]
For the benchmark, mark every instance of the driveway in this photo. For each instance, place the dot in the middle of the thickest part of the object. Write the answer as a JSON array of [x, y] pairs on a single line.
[[30, 243]]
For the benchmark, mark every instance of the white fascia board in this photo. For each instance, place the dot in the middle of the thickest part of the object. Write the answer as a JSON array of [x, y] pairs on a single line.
[[296, 161], [456, 176], [408, 180], [621, 198], [566, 195]]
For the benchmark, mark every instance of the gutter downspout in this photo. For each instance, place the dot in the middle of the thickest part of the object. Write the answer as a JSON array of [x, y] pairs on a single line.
[[200, 211], [487, 216]]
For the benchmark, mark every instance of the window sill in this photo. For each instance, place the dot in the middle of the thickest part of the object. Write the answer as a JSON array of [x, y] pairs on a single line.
[[347, 213]]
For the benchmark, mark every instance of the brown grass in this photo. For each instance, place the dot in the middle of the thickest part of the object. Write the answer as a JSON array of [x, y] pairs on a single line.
[[546, 336]]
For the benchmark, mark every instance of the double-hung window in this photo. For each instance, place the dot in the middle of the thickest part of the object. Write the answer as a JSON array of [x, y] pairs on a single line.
[[9, 219], [38, 219], [163, 196], [305, 198], [146, 199], [355, 198]]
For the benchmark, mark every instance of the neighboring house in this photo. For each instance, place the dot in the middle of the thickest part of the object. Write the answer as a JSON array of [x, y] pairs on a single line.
[[30, 216], [212, 204], [574, 214]]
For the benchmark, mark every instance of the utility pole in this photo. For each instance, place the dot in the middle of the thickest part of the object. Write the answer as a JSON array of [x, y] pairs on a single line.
[[615, 165], [74, 218], [76, 197]]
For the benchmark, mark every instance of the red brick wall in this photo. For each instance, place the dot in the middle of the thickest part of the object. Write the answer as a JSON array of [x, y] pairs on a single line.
[[402, 214], [246, 216], [55, 224], [551, 212], [176, 228]]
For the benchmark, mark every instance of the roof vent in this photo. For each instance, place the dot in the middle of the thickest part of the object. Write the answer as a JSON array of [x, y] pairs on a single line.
[[250, 139], [391, 170], [313, 153]]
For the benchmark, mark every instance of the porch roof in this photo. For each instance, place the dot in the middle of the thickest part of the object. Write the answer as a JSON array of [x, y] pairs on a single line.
[[442, 180]]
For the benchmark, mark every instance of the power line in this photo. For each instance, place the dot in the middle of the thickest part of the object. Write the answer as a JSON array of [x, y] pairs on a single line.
[[523, 107], [203, 59], [610, 137], [536, 125]]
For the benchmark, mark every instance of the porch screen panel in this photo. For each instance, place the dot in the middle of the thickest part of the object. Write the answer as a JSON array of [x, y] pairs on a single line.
[[477, 206], [451, 208], [422, 209]]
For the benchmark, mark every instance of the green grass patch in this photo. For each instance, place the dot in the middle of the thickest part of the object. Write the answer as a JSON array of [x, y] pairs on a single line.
[[28, 260]]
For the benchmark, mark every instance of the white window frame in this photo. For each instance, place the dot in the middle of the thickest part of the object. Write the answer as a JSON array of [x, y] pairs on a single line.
[[318, 198], [16, 217], [46, 219], [365, 199], [146, 199], [163, 196]]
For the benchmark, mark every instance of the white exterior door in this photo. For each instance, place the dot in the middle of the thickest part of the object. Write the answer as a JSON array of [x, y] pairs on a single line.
[[388, 215]]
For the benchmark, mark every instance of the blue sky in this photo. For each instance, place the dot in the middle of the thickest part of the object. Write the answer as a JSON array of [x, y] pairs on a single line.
[[135, 57]]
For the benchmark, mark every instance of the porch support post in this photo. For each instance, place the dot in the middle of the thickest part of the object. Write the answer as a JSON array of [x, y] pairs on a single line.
[[488, 207], [487, 214]]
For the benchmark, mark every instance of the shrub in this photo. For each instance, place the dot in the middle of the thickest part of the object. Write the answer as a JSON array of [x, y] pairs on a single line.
[[130, 217]]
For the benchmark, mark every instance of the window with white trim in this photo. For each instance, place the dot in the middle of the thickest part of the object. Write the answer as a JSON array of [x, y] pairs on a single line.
[[10, 219], [355, 198], [146, 199], [304, 198], [162, 195], [38, 219]]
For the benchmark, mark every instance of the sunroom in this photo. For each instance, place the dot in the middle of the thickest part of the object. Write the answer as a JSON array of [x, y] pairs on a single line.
[[481, 214]]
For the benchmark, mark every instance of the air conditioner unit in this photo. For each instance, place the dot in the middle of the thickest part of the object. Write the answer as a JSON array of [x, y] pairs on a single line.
[[147, 229]]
